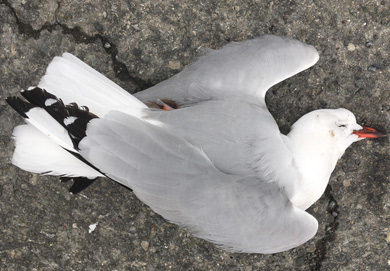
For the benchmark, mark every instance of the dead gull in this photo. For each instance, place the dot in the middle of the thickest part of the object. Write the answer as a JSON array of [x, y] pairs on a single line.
[[201, 148]]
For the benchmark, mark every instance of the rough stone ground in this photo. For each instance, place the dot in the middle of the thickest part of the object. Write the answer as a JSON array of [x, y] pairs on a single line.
[[140, 43]]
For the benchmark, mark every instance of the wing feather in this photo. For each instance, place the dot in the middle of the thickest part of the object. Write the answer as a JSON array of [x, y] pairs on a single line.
[[178, 181], [239, 68]]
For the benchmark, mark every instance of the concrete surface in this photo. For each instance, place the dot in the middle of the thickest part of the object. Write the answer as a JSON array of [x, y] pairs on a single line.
[[138, 44]]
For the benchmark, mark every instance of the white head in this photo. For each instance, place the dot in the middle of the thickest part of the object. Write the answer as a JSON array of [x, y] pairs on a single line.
[[332, 130], [318, 140]]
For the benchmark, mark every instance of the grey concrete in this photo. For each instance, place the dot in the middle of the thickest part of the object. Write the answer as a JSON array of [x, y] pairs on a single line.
[[138, 44]]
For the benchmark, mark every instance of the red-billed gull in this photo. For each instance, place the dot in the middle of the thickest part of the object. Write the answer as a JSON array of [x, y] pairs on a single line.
[[201, 149]]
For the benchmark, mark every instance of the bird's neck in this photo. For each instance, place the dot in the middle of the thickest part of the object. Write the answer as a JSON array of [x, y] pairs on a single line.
[[314, 161]]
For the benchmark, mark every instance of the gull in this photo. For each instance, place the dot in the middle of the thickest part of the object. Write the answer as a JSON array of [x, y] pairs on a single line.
[[201, 148]]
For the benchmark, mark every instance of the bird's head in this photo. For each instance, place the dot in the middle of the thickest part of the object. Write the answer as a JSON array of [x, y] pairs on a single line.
[[330, 130]]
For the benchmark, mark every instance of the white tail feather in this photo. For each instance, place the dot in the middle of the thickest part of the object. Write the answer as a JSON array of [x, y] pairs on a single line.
[[43, 145], [35, 152], [42, 121], [72, 80]]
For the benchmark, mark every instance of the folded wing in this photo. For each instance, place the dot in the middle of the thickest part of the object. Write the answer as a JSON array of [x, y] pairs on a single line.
[[178, 181]]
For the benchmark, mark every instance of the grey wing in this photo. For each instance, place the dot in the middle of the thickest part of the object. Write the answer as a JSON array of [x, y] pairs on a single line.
[[178, 181], [250, 68]]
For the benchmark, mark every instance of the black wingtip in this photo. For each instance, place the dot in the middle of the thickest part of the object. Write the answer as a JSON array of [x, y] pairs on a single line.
[[19, 105], [60, 112], [79, 126], [79, 183], [37, 96]]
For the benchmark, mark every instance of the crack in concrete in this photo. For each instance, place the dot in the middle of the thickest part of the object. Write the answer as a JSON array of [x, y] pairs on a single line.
[[316, 258], [24, 28], [120, 69]]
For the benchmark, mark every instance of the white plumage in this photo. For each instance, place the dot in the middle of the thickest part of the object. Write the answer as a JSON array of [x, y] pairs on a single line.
[[36, 152], [217, 165]]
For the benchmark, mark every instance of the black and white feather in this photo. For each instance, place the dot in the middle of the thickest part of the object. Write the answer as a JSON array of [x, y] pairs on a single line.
[[48, 143]]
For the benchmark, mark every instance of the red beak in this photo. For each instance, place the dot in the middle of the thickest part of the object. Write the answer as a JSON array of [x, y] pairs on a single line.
[[368, 132]]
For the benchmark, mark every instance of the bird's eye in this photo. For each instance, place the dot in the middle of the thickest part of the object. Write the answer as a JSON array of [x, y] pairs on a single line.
[[342, 125]]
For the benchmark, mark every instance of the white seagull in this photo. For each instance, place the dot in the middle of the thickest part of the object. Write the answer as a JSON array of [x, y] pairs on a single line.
[[201, 148]]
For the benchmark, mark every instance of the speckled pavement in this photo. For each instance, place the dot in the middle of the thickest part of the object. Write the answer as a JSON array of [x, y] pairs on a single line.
[[140, 43]]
